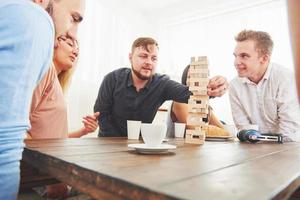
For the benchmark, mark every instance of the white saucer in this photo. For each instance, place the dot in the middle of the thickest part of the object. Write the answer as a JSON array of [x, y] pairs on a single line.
[[144, 149]]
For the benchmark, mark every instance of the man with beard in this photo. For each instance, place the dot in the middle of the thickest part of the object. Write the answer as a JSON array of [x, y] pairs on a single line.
[[137, 93], [26, 48]]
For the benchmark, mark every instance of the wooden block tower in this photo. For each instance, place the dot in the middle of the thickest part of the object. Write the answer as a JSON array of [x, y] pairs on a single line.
[[197, 81]]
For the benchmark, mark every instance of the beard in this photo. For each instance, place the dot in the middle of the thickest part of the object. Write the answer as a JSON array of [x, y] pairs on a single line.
[[141, 76]]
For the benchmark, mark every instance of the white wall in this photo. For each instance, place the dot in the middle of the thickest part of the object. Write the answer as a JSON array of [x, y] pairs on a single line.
[[105, 37], [212, 34], [110, 27]]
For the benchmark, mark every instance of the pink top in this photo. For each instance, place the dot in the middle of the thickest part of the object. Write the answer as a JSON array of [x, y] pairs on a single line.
[[48, 113]]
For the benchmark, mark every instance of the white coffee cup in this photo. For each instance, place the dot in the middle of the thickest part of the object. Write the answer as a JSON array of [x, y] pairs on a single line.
[[153, 134], [179, 129], [230, 128], [133, 129]]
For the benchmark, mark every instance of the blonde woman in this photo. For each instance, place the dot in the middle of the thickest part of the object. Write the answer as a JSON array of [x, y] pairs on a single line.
[[48, 114]]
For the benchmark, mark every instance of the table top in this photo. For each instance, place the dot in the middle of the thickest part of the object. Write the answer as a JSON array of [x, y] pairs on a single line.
[[107, 168]]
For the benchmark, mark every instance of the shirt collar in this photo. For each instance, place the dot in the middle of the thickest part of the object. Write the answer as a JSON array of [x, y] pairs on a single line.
[[130, 81]]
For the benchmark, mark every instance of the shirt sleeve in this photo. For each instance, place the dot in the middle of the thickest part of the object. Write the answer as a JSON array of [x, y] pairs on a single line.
[[176, 91], [26, 48], [104, 105], [238, 113], [288, 109]]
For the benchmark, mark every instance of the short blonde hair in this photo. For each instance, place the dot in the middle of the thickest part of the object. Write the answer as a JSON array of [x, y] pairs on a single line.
[[263, 41]]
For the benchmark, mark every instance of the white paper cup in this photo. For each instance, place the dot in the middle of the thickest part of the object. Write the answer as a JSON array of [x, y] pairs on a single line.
[[179, 130], [230, 128], [133, 129], [153, 134]]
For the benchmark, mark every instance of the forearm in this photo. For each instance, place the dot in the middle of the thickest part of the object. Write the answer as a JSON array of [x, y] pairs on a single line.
[[77, 134], [213, 120]]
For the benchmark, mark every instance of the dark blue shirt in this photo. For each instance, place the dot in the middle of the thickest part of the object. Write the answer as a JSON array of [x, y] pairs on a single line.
[[118, 100]]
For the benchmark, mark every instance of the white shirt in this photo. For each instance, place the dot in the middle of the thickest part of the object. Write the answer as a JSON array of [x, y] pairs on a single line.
[[271, 104]]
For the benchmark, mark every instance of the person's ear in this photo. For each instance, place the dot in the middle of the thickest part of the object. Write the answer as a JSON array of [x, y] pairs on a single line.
[[42, 3], [130, 57], [265, 58]]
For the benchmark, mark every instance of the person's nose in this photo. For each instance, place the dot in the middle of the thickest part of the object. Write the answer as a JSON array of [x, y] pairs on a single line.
[[149, 60], [75, 51], [237, 61]]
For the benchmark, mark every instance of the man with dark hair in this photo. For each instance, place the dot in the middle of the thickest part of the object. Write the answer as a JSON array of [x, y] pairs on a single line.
[[261, 94], [137, 93]]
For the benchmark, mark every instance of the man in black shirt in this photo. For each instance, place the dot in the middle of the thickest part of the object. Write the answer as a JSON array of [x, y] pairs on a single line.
[[137, 93]]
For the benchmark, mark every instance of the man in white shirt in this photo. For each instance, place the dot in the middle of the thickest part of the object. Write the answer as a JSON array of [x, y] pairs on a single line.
[[264, 93]]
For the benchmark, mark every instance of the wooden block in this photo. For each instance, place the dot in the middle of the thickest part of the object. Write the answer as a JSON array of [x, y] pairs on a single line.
[[198, 110], [198, 79], [197, 65], [195, 132], [198, 75], [197, 127], [200, 58], [195, 119], [198, 71], [197, 106], [199, 97], [198, 88], [201, 81], [195, 139], [198, 103], [201, 92], [200, 66], [197, 116]]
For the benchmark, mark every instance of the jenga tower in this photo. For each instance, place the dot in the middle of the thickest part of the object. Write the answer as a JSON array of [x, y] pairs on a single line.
[[197, 81]]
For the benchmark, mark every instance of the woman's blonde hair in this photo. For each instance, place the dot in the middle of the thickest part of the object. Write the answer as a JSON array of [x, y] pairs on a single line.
[[65, 78]]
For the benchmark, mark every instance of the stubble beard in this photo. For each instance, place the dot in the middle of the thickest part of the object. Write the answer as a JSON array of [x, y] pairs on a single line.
[[140, 76]]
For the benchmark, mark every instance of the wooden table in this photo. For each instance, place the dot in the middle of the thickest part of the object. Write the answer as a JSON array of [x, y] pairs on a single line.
[[107, 169]]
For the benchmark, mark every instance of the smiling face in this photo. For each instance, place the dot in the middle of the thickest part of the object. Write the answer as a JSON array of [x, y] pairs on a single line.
[[248, 61], [143, 61], [65, 53]]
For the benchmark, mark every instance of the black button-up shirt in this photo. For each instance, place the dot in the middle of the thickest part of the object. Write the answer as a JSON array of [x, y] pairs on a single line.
[[118, 100]]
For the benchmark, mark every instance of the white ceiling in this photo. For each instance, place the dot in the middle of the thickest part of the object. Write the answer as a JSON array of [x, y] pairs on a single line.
[[177, 11], [166, 10]]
